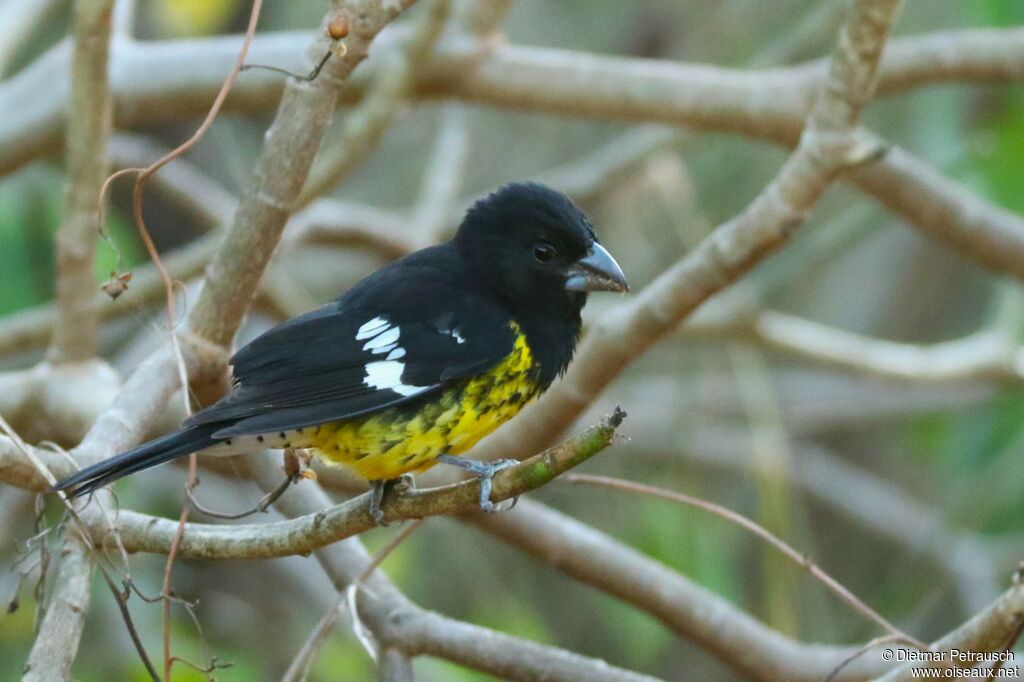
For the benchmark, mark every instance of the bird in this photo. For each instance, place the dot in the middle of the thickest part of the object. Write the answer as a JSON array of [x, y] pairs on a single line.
[[416, 362]]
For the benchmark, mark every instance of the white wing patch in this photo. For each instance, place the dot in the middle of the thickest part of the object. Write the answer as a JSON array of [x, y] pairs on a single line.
[[387, 375], [371, 328], [384, 342]]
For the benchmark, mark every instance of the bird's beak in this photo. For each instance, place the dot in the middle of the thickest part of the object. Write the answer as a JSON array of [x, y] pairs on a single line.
[[597, 271]]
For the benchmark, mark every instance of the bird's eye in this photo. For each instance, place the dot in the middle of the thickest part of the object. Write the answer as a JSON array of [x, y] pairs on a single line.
[[544, 252]]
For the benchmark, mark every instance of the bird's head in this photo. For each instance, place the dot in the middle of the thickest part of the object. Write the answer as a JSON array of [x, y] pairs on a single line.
[[533, 248]]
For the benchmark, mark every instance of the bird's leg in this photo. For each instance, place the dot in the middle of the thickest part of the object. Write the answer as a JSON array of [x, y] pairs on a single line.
[[484, 471], [376, 497]]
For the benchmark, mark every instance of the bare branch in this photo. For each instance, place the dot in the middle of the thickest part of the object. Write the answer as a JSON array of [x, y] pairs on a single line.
[[987, 632], [483, 17], [801, 560], [399, 624], [365, 126], [88, 127], [292, 141], [986, 355], [829, 145], [298, 669], [870, 501], [57, 402], [590, 175], [395, 666], [124, 19], [687, 609], [946, 211], [698, 615], [768, 104], [142, 533], [347, 224], [57, 642]]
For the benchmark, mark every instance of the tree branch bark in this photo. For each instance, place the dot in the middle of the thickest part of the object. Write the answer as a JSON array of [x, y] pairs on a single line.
[[143, 533], [829, 145], [400, 624], [292, 142], [88, 127], [767, 104], [57, 642]]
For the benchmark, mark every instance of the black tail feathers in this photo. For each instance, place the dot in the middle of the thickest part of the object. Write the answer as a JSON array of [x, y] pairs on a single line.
[[176, 444]]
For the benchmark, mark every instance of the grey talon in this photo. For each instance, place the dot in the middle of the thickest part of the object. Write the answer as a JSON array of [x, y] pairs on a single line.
[[482, 470]]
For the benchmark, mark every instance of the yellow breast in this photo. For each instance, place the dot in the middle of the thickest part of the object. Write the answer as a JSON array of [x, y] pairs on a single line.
[[408, 438]]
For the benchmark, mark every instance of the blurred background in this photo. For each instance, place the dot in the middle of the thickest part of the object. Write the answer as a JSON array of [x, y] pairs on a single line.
[[907, 491]]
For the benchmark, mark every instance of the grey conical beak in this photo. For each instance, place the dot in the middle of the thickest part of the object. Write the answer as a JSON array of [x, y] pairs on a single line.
[[596, 271]]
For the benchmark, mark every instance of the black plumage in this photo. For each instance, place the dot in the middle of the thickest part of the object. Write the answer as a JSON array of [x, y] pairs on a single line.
[[410, 333]]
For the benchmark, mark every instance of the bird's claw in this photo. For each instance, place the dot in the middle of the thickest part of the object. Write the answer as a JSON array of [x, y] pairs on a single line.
[[484, 471], [404, 484]]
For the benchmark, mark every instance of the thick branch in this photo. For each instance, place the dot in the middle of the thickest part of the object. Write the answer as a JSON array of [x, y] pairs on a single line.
[[767, 104], [88, 127], [687, 609], [291, 144], [402, 625], [946, 211], [732, 636], [982, 356], [507, 657], [57, 642], [149, 85], [394, 666], [57, 402]]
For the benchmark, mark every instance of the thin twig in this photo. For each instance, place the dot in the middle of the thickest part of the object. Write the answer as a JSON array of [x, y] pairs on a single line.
[[351, 596], [293, 469], [365, 126], [868, 646], [92, 548], [261, 507], [292, 142], [169, 284], [785, 549], [298, 669]]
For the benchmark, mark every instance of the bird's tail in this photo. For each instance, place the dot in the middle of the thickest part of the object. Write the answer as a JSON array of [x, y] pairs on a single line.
[[157, 451]]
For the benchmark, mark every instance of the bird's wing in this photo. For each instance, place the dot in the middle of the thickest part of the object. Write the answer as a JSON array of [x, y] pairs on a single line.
[[382, 345]]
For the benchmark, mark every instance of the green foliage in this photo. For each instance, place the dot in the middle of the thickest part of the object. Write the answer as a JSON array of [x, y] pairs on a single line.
[[30, 211], [17, 630], [29, 214]]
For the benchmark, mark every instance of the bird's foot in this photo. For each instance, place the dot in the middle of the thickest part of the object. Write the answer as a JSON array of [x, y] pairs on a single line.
[[376, 497], [404, 483], [485, 471], [400, 486]]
